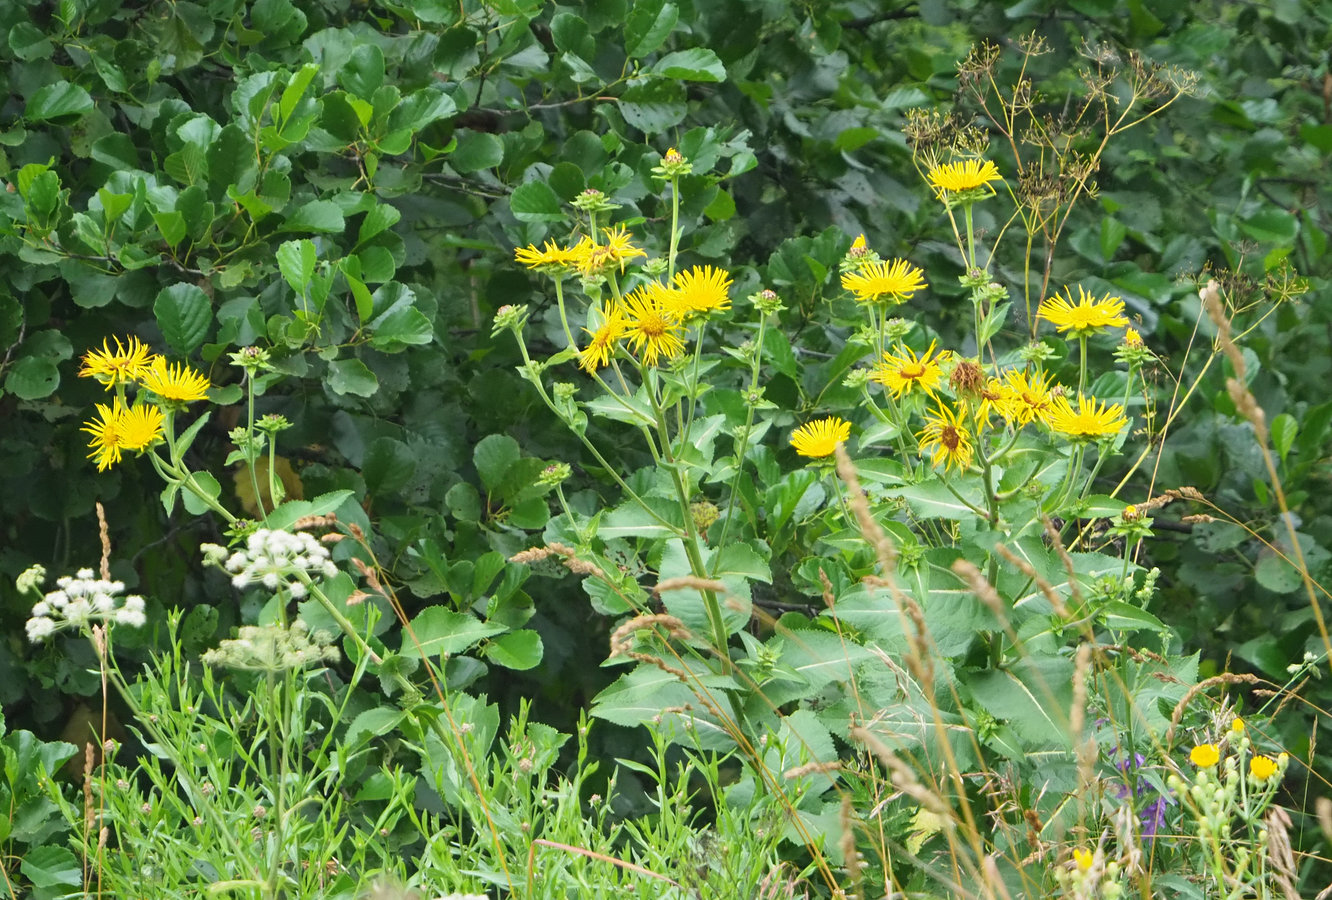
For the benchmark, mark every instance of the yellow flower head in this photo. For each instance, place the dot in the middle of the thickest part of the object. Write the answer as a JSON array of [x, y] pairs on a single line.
[[1025, 398], [703, 289], [124, 365], [947, 433], [175, 383], [615, 252], [1132, 338], [1204, 756], [1237, 726], [966, 175], [651, 326], [908, 372], [884, 282], [1089, 421], [1084, 858], [551, 256], [859, 247], [1262, 767], [820, 438], [598, 351], [117, 429], [1088, 316]]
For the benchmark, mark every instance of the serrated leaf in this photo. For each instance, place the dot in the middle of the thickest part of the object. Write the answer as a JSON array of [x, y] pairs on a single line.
[[476, 150], [696, 64], [288, 513], [57, 101], [319, 216], [442, 631], [1285, 428], [535, 201], [493, 456], [296, 261], [647, 27], [183, 314], [33, 378], [517, 650], [351, 376]]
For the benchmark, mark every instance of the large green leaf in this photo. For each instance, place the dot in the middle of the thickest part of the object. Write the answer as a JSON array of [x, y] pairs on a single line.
[[184, 315]]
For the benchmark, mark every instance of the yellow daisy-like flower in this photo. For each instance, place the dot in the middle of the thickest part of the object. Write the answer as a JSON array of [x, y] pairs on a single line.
[[651, 326], [820, 438], [117, 429], [107, 441], [908, 372], [893, 281], [1204, 756], [139, 427], [1025, 398], [125, 365], [175, 383], [598, 351], [966, 175], [1089, 420], [1262, 767], [703, 289], [1083, 858], [1088, 316], [551, 256], [947, 433], [1132, 338], [615, 252]]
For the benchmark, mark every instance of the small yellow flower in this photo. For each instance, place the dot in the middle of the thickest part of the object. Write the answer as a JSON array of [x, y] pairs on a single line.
[[893, 281], [1132, 338], [948, 435], [614, 253], [1088, 316], [1237, 726], [820, 438], [1204, 756], [598, 351], [702, 289], [859, 248], [175, 383], [966, 175], [551, 256], [1084, 858], [1090, 420], [1025, 398], [908, 372], [125, 365], [1262, 767], [651, 326]]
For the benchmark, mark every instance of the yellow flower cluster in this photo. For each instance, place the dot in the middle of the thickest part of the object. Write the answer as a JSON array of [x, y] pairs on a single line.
[[120, 427], [652, 317], [587, 257]]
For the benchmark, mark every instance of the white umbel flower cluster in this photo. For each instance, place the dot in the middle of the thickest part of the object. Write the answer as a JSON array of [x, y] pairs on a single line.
[[83, 600], [274, 559]]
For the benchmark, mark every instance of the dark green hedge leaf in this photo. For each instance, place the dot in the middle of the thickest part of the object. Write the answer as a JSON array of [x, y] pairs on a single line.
[[57, 101], [647, 27], [476, 150], [696, 64], [183, 313], [351, 376], [536, 202]]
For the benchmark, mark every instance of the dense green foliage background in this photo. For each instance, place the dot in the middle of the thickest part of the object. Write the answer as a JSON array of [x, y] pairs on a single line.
[[344, 183]]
